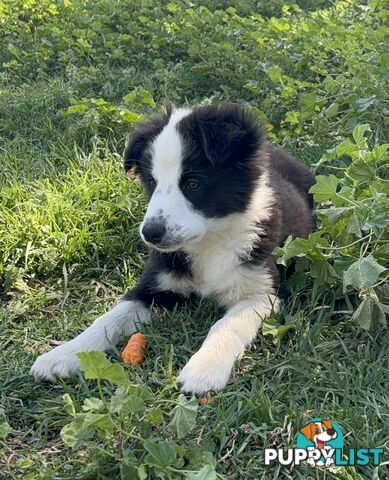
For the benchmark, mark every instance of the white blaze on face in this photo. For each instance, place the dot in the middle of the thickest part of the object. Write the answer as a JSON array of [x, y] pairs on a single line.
[[167, 152], [168, 204]]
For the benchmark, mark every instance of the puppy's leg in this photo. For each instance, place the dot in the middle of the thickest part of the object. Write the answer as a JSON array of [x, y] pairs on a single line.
[[209, 369], [104, 332]]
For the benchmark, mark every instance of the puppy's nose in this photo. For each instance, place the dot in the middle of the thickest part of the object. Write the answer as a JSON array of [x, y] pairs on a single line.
[[153, 232], [331, 432]]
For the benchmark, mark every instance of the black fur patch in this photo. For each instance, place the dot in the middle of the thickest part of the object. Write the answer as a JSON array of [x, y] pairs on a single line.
[[147, 290], [291, 212], [221, 154]]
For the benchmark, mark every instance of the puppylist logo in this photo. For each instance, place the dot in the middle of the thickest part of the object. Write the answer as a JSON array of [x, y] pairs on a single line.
[[320, 443]]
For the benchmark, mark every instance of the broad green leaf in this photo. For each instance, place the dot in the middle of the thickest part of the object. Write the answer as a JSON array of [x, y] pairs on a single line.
[[14, 50], [363, 315], [344, 196], [381, 313], [208, 459], [83, 427], [100, 102], [84, 43], [155, 416], [274, 74], [115, 374], [161, 453], [323, 271], [363, 104], [205, 473], [301, 247], [359, 133], [332, 110], [70, 408], [103, 422], [279, 24], [141, 391], [92, 404], [363, 273], [5, 429], [126, 404], [354, 226], [361, 172], [379, 153], [80, 109], [276, 330], [129, 116], [293, 117], [334, 214], [130, 97], [331, 84], [369, 312], [140, 95], [142, 474], [380, 220], [172, 7], [95, 365], [184, 415], [75, 433], [347, 147], [325, 188], [307, 101], [146, 97]]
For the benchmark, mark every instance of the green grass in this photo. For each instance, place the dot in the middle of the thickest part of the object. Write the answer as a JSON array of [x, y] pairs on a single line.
[[69, 218]]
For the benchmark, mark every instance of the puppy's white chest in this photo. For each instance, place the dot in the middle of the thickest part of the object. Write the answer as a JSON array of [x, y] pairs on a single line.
[[219, 271], [216, 274], [210, 276]]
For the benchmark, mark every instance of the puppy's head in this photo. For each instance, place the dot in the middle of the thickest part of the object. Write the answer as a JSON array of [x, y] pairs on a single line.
[[197, 167]]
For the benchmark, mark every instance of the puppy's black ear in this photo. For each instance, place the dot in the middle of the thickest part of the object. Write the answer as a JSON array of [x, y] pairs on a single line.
[[133, 151], [228, 133], [141, 138], [220, 140]]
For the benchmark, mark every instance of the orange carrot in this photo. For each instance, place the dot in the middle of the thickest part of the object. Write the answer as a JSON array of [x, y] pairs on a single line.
[[133, 352]]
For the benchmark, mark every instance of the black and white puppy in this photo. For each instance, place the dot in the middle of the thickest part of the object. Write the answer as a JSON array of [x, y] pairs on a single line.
[[221, 198]]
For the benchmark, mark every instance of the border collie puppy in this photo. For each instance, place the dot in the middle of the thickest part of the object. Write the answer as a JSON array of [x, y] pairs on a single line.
[[221, 198]]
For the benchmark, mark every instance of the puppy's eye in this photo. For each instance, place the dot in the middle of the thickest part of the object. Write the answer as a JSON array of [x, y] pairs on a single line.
[[192, 185]]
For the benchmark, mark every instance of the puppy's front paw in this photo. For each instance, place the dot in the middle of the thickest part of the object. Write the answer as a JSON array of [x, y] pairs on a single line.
[[61, 362], [208, 370]]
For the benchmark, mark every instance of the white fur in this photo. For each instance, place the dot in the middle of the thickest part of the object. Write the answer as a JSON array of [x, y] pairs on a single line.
[[104, 333], [210, 368], [217, 259], [168, 203], [170, 282], [167, 151]]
